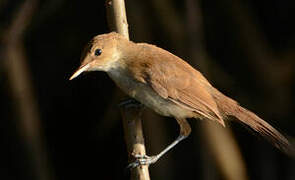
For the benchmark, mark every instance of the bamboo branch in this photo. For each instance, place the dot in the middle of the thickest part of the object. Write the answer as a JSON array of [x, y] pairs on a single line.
[[117, 17], [131, 114], [134, 139]]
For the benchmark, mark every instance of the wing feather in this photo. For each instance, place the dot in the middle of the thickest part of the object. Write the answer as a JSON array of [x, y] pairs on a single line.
[[174, 79]]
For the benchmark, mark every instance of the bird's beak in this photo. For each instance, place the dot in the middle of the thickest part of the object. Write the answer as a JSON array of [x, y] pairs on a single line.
[[80, 70]]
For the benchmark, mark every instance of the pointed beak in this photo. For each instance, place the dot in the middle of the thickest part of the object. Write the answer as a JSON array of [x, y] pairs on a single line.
[[80, 70]]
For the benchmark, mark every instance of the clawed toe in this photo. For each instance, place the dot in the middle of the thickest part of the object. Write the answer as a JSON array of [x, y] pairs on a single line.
[[142, 160]]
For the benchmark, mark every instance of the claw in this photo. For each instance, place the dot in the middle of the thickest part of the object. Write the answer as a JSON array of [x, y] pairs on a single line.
[[142, 160]]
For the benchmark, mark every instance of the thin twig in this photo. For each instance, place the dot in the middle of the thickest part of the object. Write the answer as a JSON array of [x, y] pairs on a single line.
[[131, 115]]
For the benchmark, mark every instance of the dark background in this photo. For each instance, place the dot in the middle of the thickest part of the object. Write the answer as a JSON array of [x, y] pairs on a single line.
[[245, 48]]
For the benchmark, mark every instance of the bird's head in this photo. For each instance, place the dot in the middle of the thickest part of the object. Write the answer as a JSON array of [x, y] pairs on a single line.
[[100, 54]]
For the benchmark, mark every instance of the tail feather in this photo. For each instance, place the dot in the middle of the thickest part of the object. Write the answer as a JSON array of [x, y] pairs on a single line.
[[230, 107], [264, 129]]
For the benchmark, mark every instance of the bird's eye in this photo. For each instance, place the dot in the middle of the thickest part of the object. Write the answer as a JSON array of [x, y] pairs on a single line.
[[97, 52]]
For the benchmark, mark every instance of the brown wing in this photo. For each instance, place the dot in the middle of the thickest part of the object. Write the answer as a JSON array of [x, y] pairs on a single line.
[[174, 79]]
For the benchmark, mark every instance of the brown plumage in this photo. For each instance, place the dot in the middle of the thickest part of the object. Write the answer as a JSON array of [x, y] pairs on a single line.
[[169, 86]]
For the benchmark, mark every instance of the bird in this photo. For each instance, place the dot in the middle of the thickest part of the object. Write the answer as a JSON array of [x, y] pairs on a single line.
[[169, 86]]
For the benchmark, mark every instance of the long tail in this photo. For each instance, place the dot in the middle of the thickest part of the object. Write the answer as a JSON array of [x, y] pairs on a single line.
[[231, 108]]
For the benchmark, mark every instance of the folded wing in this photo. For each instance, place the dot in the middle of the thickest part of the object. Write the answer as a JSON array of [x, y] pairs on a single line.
[[174, 79]]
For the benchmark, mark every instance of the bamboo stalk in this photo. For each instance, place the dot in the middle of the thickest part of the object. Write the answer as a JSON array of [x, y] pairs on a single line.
[[131, 115]]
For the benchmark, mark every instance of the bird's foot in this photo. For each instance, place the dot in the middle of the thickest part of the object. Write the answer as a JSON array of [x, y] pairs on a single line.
[[142, 160], [129, 103]]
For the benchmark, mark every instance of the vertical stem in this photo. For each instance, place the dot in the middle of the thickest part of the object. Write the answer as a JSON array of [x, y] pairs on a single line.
[[131, 115], [120, 19], [134, 139]]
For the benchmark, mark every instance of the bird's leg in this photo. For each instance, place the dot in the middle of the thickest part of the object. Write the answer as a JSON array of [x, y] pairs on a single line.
[[185, 130]]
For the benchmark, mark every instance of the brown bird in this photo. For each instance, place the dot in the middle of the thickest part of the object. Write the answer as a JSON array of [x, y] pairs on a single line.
[[168, 85]]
